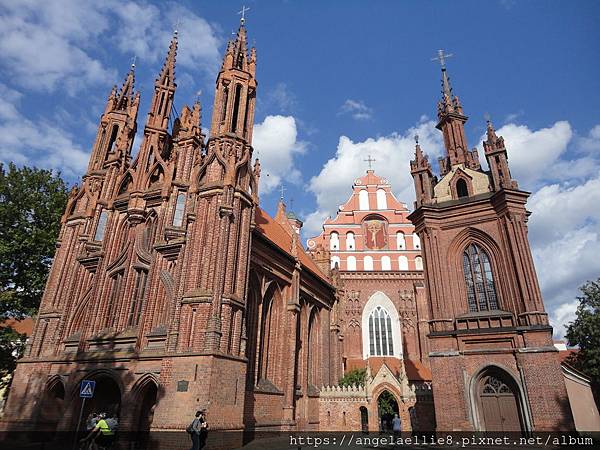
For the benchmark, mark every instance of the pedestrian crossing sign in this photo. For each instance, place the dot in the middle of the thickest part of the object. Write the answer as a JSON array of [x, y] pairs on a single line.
[[86, 389]]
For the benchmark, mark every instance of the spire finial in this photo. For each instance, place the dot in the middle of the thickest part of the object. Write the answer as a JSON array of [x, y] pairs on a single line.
[[370, 160], [446, 89], [133, 60], [417, 139], [242, 12], [441, 57], [283, 189], [176, 27]]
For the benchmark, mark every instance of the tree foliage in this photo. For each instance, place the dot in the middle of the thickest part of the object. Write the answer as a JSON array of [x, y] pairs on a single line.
[[31, 204], [584, 331], [354, 377]]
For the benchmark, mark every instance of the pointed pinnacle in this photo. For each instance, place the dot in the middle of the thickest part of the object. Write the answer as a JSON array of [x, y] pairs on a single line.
[[168, 69]]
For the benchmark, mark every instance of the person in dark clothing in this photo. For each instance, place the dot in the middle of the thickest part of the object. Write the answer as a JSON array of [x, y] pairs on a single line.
[[199, 430]]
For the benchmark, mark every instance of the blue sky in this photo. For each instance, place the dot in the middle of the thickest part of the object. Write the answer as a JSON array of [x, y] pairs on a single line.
[[337, 81]]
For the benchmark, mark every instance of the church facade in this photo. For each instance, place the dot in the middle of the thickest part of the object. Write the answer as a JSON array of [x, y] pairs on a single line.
[[174, 291]]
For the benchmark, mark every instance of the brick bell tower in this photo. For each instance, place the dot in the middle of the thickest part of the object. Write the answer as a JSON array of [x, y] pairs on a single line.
[[491, 350], [223, 197]]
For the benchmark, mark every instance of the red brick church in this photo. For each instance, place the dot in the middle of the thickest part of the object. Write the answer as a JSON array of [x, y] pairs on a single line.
[[175, 291]]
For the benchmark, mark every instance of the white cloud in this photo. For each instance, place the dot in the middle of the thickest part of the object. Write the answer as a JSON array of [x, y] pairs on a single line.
[[275, 141], [357, 109], [54, 44], [42, 44], [146, 30], [36, 144], [281, 97], [332, 186], [562, 316], [532, 154]]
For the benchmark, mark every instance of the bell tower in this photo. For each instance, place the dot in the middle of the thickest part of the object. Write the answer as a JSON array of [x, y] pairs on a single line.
[[488, 326]]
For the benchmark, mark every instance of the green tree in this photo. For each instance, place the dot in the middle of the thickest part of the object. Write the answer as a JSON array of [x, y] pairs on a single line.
[[584, 331], [354, 377], [31, 204]]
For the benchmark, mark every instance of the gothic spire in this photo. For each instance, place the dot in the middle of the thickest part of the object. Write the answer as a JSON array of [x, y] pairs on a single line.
[[167, 73], [126, 94]]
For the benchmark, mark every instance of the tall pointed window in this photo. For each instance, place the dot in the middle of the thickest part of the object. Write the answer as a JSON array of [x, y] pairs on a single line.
[[101, 227], [137, 303], [461, 188], [380, 333], [479, 279], [179, 209]]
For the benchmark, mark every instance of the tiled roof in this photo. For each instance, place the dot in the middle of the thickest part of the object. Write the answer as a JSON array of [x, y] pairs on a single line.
[[24, 326], [275, 233]]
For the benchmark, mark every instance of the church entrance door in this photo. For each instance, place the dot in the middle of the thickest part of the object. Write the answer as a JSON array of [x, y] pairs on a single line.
[[387, 406], [499, 403]]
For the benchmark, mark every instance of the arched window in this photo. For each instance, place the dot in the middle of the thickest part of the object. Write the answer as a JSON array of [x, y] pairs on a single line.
[[113, 137], [381, 199], [386, 263], [368, 263], [351, 263], [418, 263], [400, 242], [101, 227], [179, 209], [137, 302], [334, 241], [416, 242], [335, 260], [403, 262], [350, 243], [236, 107], [380, 333], [481, 290], [461, 188], [363, 200]]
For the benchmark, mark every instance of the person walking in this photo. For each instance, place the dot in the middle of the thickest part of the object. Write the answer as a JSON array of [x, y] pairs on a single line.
[[198, 430], [396, 425]]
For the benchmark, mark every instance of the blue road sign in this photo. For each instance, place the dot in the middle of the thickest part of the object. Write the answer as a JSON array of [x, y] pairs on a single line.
[[86, 389]]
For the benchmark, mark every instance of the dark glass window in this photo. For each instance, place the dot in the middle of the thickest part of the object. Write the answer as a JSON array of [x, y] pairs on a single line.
[[481, 290], [461, 188]]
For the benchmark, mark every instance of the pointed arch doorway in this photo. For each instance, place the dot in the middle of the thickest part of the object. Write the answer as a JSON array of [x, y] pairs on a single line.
[[387, 406], [498, 402]]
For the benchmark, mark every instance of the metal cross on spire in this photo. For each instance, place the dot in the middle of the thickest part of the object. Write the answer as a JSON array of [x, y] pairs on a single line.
[[283, 189], [242, 12], [176, 27], [441, 57], [133, 60], [370, 161], [416, 138]]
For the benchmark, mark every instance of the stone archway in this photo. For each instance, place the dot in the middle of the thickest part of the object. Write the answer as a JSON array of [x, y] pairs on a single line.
[[106, 399], [387, 406], [146, 400], [52, 409], [498, 402]]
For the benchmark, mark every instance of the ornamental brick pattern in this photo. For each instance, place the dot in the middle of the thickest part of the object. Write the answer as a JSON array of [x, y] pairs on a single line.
[[175, 291], [171, 287], [490, 344]]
